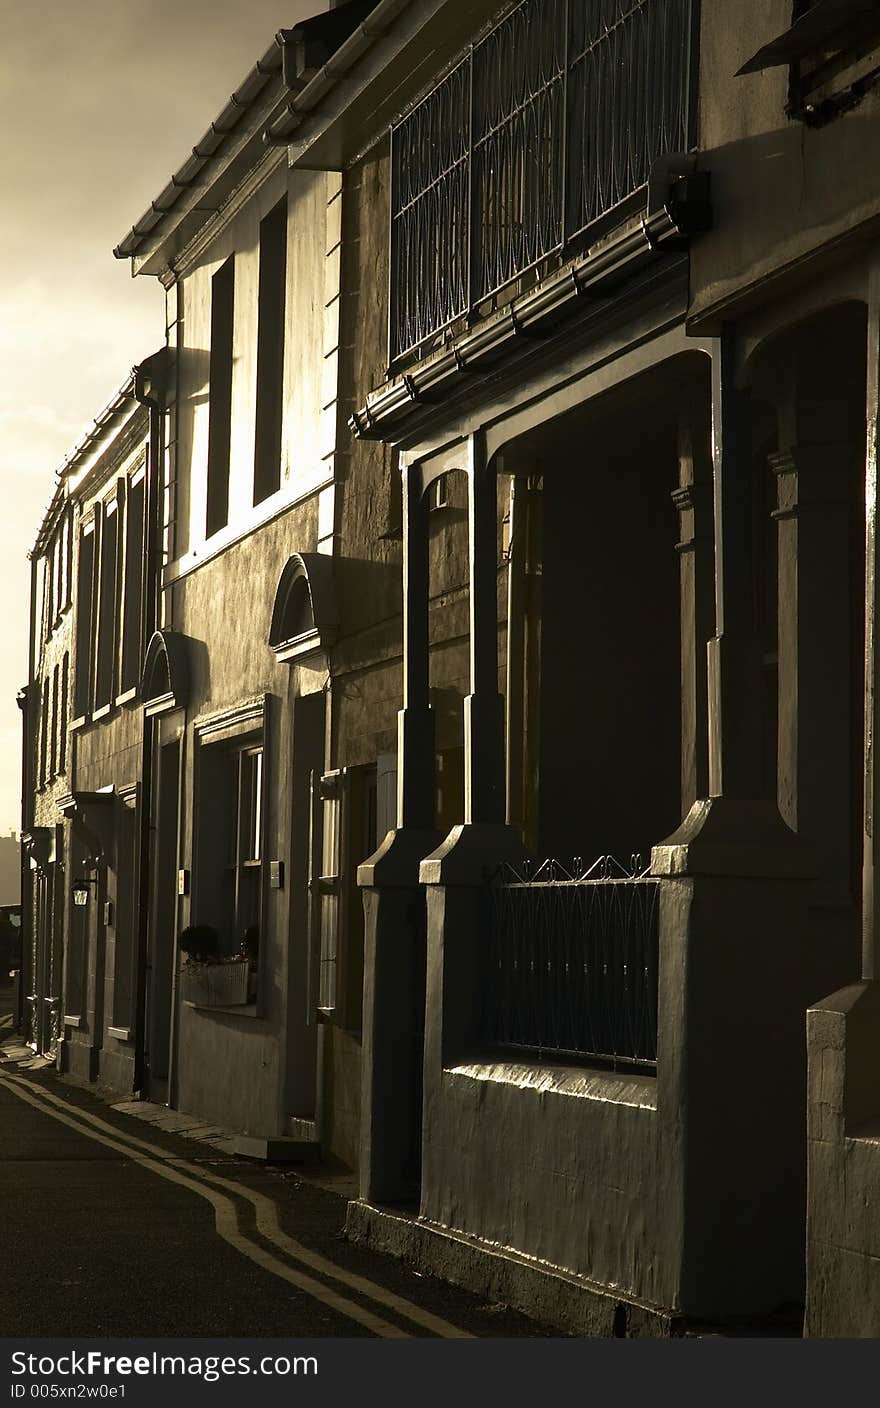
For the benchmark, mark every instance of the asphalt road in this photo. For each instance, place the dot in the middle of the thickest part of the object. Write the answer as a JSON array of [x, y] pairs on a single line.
[[104, 1236]]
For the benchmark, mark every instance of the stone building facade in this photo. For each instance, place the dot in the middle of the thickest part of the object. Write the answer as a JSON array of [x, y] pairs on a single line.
[[500, 731]]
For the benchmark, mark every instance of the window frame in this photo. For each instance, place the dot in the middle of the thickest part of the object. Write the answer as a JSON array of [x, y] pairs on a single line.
[[84, 635], [233, 734]]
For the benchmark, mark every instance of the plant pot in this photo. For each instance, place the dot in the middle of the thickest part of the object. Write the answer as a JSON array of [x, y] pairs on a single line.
[[215, 984]]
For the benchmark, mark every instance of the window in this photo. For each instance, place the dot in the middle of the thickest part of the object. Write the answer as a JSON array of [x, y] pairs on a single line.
[[57, 573], [44, 733], [270, 352], [66, 559], [229, 846], [65, 704], [53, 747], [84, 592], [132, 600], [332, 788], [220, 396], [244, 868], [105, 662], [47, 595]]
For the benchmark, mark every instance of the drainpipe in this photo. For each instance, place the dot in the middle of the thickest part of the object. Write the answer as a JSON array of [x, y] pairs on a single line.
[[149, 390]]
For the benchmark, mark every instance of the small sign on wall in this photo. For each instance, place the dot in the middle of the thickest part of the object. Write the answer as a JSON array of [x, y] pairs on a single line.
[[276, 874], [183, 882]]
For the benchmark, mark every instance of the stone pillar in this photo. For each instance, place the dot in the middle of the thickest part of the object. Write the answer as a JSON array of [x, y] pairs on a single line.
[[736, 692], [483, 708], [693, 500], [733, 913], [415, 723], [394, 906], [813, 469]]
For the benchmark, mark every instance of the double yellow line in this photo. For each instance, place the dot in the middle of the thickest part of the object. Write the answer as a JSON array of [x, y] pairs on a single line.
[[205, 1185]]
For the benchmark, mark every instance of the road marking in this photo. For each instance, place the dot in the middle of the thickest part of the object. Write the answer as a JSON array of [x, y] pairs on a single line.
[[225, 1220], [268, 1225]]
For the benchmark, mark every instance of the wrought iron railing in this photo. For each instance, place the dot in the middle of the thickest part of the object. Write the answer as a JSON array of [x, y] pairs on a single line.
[[571, 963], [548, 124]]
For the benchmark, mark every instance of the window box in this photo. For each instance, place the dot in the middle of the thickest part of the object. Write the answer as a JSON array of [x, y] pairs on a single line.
[[215, 984]]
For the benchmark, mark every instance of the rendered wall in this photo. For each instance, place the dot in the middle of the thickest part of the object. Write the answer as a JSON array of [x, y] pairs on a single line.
[[779, 189]]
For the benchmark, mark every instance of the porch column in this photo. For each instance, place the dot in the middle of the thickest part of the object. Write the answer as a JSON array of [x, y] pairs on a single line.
[[870, 834], [394, 905], [734, 975], [736, 691], [483, 707], [693, 500], [415, 723], [816, 676]]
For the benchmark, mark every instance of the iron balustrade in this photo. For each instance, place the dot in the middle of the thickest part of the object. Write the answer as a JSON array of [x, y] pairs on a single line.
[[550, 123], [571, 963]]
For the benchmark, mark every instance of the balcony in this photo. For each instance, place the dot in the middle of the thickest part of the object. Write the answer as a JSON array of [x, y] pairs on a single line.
[[539, 140]]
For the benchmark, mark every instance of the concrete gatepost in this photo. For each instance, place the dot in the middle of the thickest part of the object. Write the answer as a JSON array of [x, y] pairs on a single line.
[[843, 1163], [456, 877], [730, 1058], [393, 1017]]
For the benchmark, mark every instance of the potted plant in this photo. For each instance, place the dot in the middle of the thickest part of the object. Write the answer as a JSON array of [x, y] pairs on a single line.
[[209, 978]]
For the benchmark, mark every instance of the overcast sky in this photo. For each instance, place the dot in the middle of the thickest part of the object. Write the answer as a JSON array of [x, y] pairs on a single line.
[[100, 100]]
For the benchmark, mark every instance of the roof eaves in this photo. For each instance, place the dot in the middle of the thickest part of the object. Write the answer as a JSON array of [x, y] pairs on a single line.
[[205, 150], [87, 441]]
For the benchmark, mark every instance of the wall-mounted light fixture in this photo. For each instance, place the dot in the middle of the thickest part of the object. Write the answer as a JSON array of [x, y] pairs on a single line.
[[80, 890]]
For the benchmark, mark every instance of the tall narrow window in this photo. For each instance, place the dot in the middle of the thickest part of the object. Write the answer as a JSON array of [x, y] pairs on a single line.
[[53, 742], [84, 636], [220, 396], [65, 704], [246, 861], [132, 586], [67, 560], [44, 733], [270, 352], [48, 605], [57, 572], [104, 663], [332, 790]]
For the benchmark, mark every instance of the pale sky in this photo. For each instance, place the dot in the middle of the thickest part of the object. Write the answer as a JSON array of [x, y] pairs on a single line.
[[100, 100]]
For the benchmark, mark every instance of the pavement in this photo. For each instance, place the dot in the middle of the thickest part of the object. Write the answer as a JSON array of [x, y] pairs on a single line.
[[123, 1218]]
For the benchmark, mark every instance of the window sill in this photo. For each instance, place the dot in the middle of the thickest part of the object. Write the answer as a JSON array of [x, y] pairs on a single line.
[[232, 533], [127, 696], [548, 1078], [242, 1009], [101, 713]]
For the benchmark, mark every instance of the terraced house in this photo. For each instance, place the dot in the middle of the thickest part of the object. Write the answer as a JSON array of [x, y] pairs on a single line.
[[506, 706]]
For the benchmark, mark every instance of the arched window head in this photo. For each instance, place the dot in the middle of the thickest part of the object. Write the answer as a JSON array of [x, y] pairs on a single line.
[[304, 615]]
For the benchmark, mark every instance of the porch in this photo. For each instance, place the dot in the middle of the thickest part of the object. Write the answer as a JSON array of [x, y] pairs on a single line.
[[615, 1088]]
